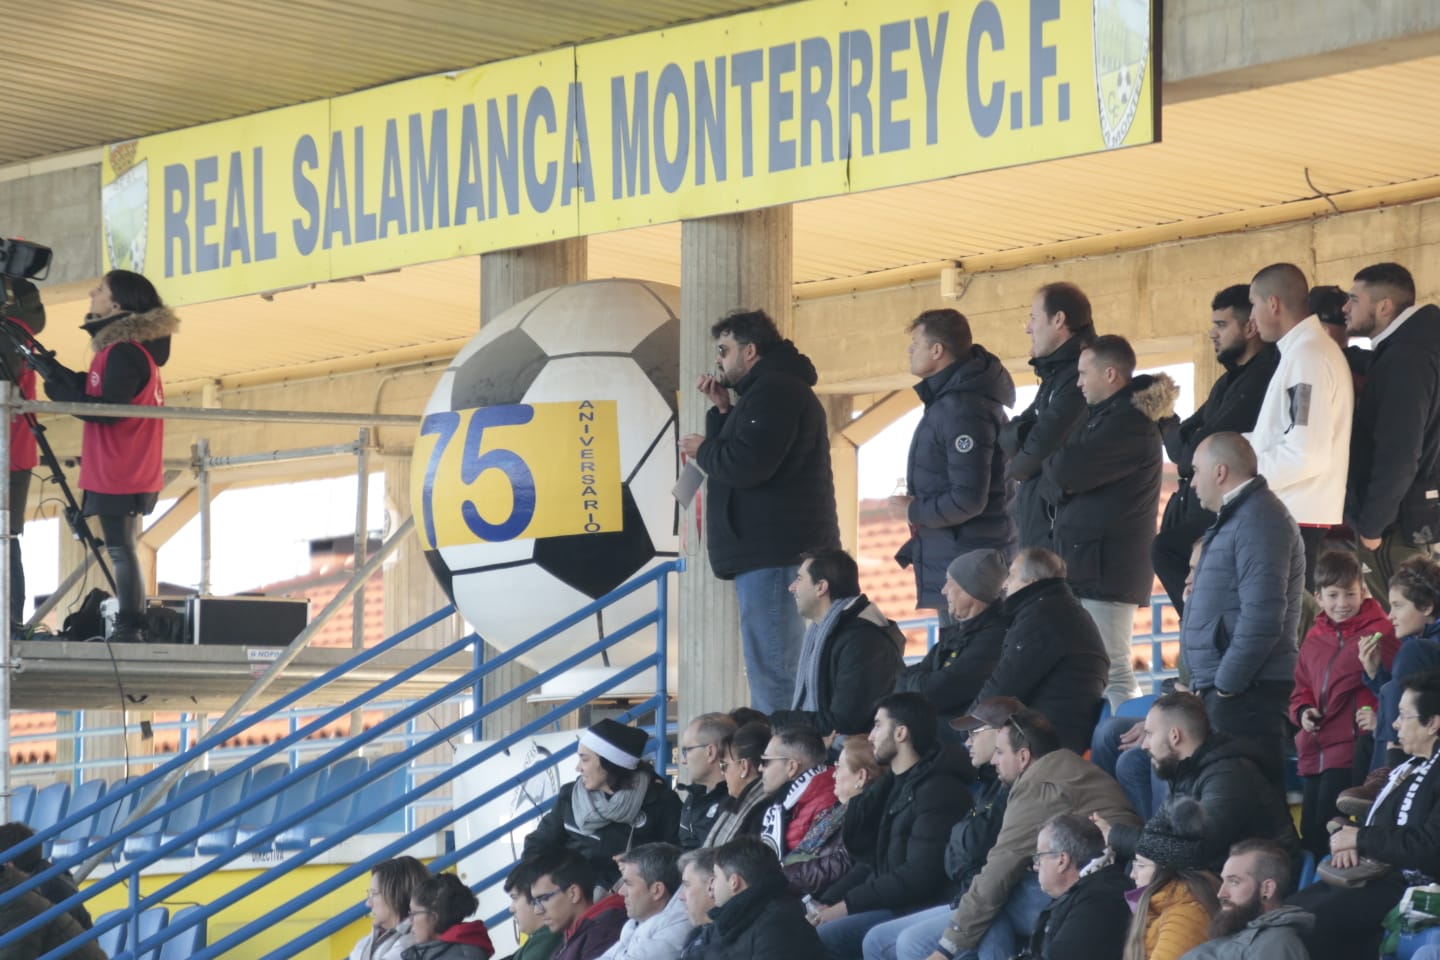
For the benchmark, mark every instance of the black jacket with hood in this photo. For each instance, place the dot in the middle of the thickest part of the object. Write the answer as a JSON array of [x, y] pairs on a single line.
[[952, 672], [956, 471], [657, 822], [770, 495], [126, 373], [762, 922]]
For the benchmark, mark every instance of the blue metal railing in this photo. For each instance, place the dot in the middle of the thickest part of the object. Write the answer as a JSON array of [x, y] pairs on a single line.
[[386, 765]]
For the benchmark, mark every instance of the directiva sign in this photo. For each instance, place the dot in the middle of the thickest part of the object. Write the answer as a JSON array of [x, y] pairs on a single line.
[[774, 106]]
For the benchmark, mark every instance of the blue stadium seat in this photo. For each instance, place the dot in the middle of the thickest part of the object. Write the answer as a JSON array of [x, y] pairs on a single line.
[[1137, 707], [152, 921], [187, 942], [102, 826], [292, 799], [1307, 871], [255, 816], [50, 806], [1411, 942], [84, 796], [341, 774], [149, 839], [112, 941], [223, 797], [378, 794], [22, 798]]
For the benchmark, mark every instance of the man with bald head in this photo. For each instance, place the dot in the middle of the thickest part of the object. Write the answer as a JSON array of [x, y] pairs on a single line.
[[1238, 636], [1302, 437]]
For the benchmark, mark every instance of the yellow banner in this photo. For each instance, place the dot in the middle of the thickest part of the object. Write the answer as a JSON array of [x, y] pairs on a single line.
[[806, 100], [517, 472]]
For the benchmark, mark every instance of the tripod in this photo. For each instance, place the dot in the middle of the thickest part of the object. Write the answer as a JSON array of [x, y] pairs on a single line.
[[39, 358]]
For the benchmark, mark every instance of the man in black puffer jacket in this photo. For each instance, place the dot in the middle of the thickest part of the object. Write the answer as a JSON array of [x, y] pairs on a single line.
[[958, 497], [770, 495], [755, 918], [896, 830], [1059, 328], [1089, 916], [1054, 660]]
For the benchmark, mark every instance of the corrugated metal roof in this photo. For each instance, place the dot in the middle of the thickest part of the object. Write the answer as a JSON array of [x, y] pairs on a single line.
[[93, 73]]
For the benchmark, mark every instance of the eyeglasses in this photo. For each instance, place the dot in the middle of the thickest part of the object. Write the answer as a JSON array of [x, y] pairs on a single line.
[[1039, 855], [724, 765], [764, 761], [538, 902], [685, 751], [414, 911], [1407, 716]]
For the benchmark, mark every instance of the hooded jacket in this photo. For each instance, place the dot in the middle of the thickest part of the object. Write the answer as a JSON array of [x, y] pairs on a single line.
[[596, 931], [658, 821], [1089, 920], [770, 494], [1328, 677], [762, 922], [16, 910], [1174, 921], [897, 831], [1395, 446], [1105, 487], [1274, 935], [973, 836], [860, 660], [956, 471], [1053, 660], [468, 940], [952, 672], [1043, 428]]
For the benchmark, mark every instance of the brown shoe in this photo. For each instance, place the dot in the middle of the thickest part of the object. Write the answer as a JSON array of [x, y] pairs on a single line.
[[1356, 801]]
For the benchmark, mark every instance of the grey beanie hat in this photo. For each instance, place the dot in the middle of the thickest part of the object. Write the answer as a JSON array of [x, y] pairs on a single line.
[[980, 573]]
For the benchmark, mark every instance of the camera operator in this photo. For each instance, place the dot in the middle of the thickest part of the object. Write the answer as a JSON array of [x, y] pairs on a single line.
[[24, 308], [120, 459]]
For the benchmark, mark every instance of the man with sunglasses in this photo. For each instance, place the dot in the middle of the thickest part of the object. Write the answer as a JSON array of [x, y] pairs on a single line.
[[796, 775], [563, 896]]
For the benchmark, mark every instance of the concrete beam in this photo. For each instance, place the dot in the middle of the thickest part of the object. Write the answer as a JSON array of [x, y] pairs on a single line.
[[61, 209]]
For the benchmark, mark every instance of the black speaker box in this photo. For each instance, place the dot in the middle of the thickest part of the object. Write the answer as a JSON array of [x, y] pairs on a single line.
[[247, 621]]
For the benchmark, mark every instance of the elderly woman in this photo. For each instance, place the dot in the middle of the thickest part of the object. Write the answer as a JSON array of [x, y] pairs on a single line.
[[391, 885], [822, 857], [438, 909], [617, 802], [1402, 831], [1174, 896]]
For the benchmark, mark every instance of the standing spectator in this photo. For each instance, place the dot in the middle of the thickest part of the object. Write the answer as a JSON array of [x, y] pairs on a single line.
[[771, 495], [1104, 485], [1238, 635], [438, 908], [800, 785], [15, 910], [1392, 497], [1233, 405], [999, 911], [697, 892], [754, 917], [541, 942], [852, 653], [1054, 659], [744, 810], [61, 887], [1253, 922], [822, 857], [658, 927], [899, 828], [952, 672], [958, 497], [702, 747], [392, 883], [1059, 327], [1330, 689], [1089, 915], [616, 802], [1328, 304], [564, 897], [1302, 436], [1415, 615], [1175, 893]]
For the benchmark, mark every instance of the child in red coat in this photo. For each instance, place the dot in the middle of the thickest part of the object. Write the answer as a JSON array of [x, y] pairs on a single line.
[[1330, 688]]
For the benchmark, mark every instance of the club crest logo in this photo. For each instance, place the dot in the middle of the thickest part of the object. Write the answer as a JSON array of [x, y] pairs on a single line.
[[964, 443], [1122, 52]]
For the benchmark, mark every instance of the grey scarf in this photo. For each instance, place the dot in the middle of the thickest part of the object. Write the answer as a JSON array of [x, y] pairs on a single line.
[[593, 809], [807, 674]]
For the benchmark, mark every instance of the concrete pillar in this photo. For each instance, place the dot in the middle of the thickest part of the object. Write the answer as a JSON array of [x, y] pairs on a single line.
[[726, 263], [1207, 368], [845, 466], [506, 278]]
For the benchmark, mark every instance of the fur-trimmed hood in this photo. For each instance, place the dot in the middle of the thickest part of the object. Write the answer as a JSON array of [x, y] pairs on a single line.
[[152, 328], [1154, 395]]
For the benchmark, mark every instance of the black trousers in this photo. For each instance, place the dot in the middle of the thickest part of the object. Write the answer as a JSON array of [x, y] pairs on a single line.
[[1318, 806], [1347, 922], [1258, 715], [19, 495], [122, 535]]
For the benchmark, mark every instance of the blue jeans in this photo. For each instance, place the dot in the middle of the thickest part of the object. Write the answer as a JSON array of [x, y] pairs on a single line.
[[915, 936], [771, 635], [842, 938], [1145, 791]]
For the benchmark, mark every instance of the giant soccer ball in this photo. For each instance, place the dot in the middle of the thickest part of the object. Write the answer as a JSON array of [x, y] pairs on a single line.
[[603, 339]]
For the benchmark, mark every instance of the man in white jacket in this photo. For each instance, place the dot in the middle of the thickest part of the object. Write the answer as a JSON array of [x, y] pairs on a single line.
[[1302, 437], [658, 926]]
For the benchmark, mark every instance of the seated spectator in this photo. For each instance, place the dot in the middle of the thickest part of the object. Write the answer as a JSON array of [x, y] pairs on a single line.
[[1054, 660], [852, 653], [697, 892], [650, 883], [438, 908], [745, 806], [913, 937], [754, 917], [60, 887], [392, 884], [1253, 922], [1415, 614], [1227, 776], [616, 802], [702, 747], [1175, 894], [800, 785], [898, 829], [998, 912], [1088, 916], [822, 857], [953, 671], [564, 896], [1330, 689], [15, 910], [1402, 831], [541, 942]]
